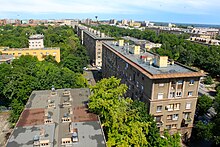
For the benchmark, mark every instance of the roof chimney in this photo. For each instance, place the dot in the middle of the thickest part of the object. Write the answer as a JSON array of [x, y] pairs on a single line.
[[161, 61], [121, 42], [102, 35], [135, 50]]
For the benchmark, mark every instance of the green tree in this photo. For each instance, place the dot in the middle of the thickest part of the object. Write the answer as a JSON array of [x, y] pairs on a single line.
[[204, 131], [125, 122], [203, 104], [208, 80]]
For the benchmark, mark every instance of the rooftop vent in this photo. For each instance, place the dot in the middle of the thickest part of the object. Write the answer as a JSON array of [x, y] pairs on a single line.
[[36, 138], [66, 115], [53, 88], [75, 135]]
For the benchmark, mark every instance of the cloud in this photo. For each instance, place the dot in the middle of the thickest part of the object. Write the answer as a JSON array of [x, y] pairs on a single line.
[[110, 6]]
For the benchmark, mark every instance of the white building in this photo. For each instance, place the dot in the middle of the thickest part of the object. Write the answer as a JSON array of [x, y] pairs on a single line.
[[36, 41]]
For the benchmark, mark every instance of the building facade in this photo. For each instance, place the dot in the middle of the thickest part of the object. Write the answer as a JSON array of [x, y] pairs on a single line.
[[40, 53], [92, 40], [169, 89]]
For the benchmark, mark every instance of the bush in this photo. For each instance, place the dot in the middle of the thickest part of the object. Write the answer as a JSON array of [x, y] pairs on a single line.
[[208, 80]]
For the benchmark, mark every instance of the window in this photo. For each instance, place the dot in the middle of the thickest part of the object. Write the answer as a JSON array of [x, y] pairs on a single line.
[[19, 54], [159, 108], [175, 116], [178, 94], [172, 94], [174, 125], [188, 105], [169, 107], [168, 127], [173, 85], [177, 106], [169, 117], [137, 84], [142, 88], [99, 56], [186, 115], [191, 82], [157, 118], [180, 82], [161, 84], [190, 93], [160, 96], [126, 66]]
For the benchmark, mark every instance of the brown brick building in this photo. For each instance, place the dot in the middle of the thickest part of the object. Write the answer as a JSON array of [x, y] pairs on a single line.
[[169, 89]]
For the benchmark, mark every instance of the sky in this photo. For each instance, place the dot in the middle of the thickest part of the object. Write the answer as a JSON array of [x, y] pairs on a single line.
[[182, 11]]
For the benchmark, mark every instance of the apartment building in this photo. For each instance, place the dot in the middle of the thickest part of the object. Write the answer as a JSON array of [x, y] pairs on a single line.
[[168, 88], [206, 40], [57, 118], [36, 48], [92, 40]]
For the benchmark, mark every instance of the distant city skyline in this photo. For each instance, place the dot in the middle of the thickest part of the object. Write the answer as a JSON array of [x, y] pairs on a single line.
[[176, 11]]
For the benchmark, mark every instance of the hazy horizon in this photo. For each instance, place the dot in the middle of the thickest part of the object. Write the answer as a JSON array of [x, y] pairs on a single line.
[[181, 11]]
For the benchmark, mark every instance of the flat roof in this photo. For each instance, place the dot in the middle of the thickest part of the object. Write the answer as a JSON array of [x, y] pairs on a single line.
[[135, 40], [6, 57], [89, 134], [23, 136], [37, 36], [30, 117], [26, 49], [36, 111], [171, 71], [97, 36]]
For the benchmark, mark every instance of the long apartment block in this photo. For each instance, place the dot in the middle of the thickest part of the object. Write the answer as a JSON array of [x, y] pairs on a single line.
[[168, 88], [92, 40], [57, 118]]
